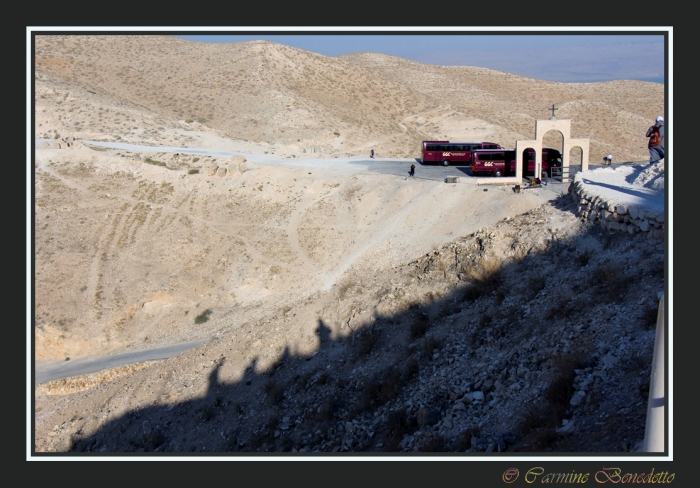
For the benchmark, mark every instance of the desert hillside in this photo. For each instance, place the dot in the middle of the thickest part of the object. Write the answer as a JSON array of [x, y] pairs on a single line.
[[315, 278], [296, 103]]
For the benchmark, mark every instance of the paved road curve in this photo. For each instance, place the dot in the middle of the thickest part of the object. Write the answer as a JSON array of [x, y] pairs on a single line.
[[55, 370]]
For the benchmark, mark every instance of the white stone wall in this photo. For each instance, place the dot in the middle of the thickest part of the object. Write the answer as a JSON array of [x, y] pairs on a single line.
[[615, 217]]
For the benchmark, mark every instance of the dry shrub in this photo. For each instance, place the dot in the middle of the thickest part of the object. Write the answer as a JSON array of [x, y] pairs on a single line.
[[564, 308], [648, 316], [432, 442], [350, 192], [535, 285], [327, 410], [484, 279], [538, 423], [379, 391], [153, 439], [584, 257], [398, 424], [411, 368], [208, 413], [390, 387], [367, 343], [612, 280], [274, 391], [345, 288], [463, 441], [559, 392], [430, 345], [485, 320], [419, 327]]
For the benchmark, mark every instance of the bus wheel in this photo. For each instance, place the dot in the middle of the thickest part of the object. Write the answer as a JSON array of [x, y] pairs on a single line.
[[498, 173], [446, 163]]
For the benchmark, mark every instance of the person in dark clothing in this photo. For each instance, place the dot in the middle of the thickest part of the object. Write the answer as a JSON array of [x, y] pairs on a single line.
[[655, 133], [371, 153], [413, 170]]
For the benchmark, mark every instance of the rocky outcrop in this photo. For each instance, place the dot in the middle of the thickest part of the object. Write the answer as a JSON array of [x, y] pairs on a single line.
[[225, 167]]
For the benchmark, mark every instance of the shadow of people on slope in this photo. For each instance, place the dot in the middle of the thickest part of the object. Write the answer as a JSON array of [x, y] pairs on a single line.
[[364, 392]]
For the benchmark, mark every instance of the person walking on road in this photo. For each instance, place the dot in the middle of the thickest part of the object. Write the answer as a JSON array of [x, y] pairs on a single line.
[[413, 170], [371, 153], [655, 133]]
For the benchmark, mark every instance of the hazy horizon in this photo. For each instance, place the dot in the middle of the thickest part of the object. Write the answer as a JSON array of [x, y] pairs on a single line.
[[560, 58]]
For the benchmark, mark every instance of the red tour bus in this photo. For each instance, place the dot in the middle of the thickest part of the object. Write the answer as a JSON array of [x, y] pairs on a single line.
[[502, 162], [446, 152]]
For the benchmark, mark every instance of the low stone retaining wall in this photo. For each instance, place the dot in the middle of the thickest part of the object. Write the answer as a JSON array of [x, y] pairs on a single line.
[[616, 217]]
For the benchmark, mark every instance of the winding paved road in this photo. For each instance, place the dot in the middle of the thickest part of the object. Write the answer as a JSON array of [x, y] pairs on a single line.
[[45, 371]]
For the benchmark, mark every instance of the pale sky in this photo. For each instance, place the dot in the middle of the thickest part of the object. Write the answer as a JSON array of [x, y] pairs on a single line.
[[563, 57]]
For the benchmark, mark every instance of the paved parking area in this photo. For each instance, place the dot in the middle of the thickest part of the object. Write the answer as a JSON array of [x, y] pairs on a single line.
[[400, 167]]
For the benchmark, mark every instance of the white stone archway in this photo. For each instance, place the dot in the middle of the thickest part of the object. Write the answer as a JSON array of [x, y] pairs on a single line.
[[541, 128]]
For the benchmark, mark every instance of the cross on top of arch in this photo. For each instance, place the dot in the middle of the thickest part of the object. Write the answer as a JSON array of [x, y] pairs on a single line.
[[553, 109]]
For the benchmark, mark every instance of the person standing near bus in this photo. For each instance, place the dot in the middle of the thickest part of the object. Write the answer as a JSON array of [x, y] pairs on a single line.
[[413, 170], [655, 133]]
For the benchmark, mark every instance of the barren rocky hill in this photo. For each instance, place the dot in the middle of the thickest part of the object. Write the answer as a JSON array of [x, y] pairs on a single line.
[[300, 102], [317, 279]]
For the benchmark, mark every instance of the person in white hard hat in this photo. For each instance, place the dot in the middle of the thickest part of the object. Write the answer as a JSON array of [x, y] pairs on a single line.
[[656, 140]]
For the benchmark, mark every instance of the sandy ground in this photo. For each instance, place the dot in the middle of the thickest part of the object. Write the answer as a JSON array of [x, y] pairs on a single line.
[[271, 235]]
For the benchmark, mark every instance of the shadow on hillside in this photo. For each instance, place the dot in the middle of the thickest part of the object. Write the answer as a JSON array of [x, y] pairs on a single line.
[[305, 401]]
